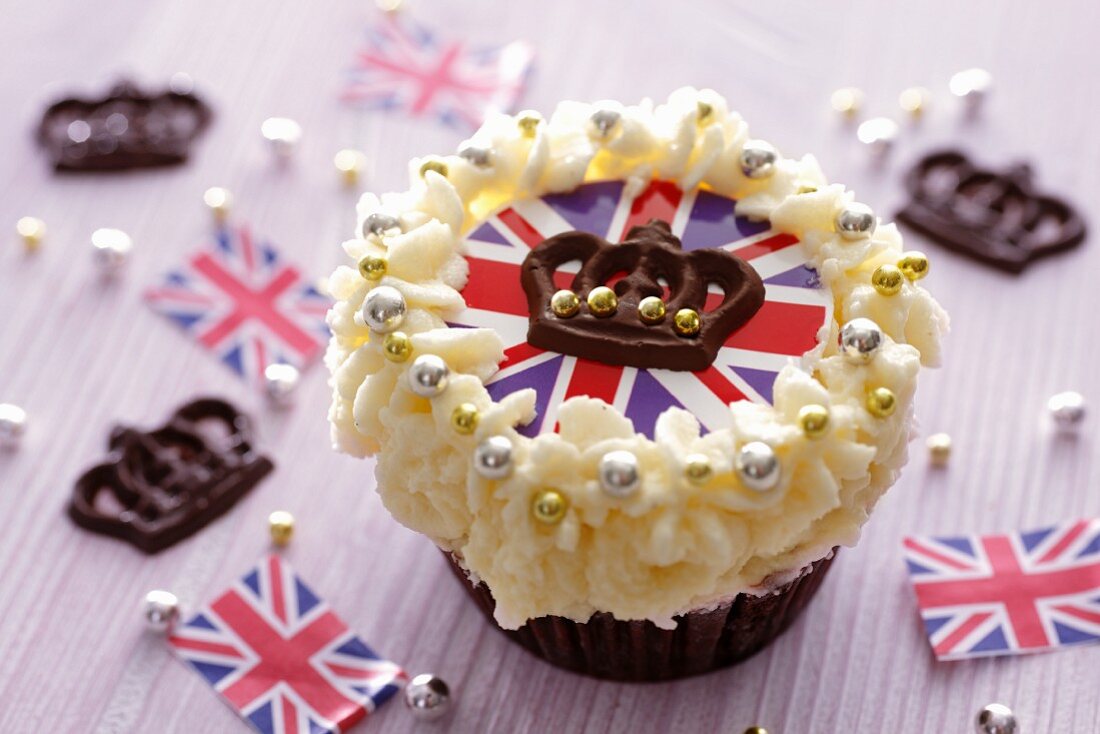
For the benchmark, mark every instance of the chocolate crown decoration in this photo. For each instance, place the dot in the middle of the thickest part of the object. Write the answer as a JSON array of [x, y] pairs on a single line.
[[649, 258], [127, 128], [161, 486], [998, 218]]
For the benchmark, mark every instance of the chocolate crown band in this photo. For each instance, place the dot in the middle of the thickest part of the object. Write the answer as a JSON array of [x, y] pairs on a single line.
[[161, 486], [125, 129], [650, 257], [998, 218]]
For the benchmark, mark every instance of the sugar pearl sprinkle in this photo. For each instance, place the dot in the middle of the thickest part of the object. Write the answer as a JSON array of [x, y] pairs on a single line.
[[280, 525], [13, 425], [1067, 410], [995, 718], [31, 231], [847, 101], [218, 200], [282, 135], [939, 449]]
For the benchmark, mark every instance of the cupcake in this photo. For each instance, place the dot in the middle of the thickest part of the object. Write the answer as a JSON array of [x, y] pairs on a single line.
[[636, 374]]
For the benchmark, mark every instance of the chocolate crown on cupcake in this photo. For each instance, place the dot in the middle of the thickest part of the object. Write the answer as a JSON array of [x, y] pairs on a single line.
[[996, 217], [127, 128], [161, 486], [656, 315]]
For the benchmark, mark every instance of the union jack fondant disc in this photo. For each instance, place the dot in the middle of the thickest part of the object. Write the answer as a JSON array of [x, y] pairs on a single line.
[[786, 327]]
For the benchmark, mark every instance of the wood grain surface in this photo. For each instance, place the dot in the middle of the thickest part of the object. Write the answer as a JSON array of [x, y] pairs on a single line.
[[80, 355]]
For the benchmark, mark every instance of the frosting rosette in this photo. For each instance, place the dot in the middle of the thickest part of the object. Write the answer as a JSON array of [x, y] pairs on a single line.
[[571, 486]]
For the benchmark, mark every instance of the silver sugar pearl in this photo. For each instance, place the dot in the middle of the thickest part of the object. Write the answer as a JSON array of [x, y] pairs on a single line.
[[384, 309], [619, 473], [878, 134], [860, 339], [493, 458], [1067, 409], [111, 248], [758, 466], [280, 382], [13, 425], [605, 124], [282, 134], [995, 718], [476, 155], [855, 221], [161, 610], [758, 159], [381, 225], [428, 376], [971, 86], [428, 697]]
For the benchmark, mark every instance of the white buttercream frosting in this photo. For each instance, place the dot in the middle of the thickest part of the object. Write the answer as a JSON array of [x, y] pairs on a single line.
[[675, 545]]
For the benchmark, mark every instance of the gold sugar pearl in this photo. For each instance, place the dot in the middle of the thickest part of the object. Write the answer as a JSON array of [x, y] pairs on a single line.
[[939, 448], [464, 418], [913, 101], [528, 122], [548, 506], [602, 301], [881, 402], [687, 322], [434, 164], [887, 280], [372, 267], [31, 230], [756, 730], [397, 347], [651, 310], [913, 265], [814, 420], [218, 200], [281, 526], [697, 468], [565, 304], [847, 101], [349, 162], [703, 112]]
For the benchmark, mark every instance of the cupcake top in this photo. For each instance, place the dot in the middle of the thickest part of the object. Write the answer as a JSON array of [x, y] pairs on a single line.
[[627, 359]]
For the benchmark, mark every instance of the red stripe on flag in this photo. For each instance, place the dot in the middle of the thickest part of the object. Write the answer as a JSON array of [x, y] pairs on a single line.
[[960, 633], [1071, 535], [495, 286], [718, 384], [594, 379], [345, 671], [217, 648], [277, 600], [1079, 613], [519, 353], [519, 226], [290, 716], [659, 201], [775, 243], [912, 544], [780, 328]]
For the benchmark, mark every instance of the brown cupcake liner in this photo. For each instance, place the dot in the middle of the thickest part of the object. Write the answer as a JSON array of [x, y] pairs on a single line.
[[605, 647]]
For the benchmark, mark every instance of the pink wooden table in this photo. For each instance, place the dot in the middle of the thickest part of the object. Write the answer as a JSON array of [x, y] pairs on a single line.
[[80, 356]]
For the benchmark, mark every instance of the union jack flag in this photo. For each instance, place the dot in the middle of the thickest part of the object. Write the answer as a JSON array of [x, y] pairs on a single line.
[[785, 327], [1008, 594], [240, 300], [405, 66], [282, 659]]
